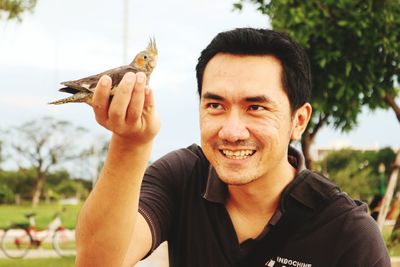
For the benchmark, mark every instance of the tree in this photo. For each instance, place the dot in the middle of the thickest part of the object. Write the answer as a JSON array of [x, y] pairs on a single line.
[[20, 182], [70, 188], [13, 9], [42, 145], [6, 194], [357, 172], [60, 184], [354, 51]]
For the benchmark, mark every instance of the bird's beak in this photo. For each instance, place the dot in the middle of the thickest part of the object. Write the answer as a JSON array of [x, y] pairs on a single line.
[[153, 63]]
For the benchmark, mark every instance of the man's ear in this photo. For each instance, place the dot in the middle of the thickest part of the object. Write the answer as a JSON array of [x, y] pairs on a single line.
[[300, 120]]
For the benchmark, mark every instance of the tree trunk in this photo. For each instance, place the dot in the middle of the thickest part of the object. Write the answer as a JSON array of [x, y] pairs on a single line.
[[308, 138], [37, 191], [306, 142], [392, 103], [17, 199]]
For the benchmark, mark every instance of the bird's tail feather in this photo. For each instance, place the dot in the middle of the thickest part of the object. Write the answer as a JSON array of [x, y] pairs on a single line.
[[77, 98]]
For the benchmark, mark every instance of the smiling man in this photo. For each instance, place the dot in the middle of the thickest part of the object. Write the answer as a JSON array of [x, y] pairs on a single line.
[[244, 198]]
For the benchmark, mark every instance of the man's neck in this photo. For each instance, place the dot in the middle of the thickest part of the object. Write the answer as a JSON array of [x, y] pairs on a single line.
[[251, 206], [261, 196]]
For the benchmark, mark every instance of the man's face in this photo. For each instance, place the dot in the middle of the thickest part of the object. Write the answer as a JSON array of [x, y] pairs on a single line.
[[245, 117]]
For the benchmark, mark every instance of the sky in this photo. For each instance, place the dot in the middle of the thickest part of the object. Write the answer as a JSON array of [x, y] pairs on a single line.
[[69, 39]]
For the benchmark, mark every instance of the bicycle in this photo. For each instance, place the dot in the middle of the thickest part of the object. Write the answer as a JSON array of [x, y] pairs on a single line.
[[19, 238]]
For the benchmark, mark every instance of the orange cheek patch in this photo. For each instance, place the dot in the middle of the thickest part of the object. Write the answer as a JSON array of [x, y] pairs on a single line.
[[140, 61]]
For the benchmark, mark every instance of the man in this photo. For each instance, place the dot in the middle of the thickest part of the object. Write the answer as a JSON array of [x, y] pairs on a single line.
[[244, 198]]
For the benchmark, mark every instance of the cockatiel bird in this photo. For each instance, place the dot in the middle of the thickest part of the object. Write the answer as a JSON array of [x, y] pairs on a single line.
[[82, 89]]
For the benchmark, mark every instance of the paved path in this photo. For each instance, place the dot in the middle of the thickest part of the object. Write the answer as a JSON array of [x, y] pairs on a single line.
[[36, 253], [395, 261]]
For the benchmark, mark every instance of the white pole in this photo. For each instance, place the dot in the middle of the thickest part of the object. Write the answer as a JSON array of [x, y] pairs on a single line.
[[389, 192], [125, 32]]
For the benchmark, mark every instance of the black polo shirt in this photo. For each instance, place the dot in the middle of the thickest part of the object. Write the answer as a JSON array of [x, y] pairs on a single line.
[[183, 201]]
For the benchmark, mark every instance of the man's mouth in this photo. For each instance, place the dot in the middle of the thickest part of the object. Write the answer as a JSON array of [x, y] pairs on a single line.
[[237, 154]]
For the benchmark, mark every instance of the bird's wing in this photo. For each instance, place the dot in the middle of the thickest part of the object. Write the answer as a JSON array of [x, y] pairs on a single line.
[[84, 84], [90, 82], [117, 74]]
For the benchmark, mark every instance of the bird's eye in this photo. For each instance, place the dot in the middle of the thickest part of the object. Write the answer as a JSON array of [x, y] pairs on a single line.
[[145, 57]]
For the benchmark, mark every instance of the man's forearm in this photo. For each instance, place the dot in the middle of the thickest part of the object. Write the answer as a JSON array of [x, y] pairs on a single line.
[[107, 220]]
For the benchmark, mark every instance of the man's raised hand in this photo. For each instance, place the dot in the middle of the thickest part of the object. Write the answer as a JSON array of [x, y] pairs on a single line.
[[130, 114]]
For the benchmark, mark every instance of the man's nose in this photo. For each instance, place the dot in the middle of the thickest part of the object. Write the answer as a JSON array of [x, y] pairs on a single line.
[[234, 128]]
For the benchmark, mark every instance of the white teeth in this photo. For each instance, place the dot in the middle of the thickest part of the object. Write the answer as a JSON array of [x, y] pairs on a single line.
[[238, 154]]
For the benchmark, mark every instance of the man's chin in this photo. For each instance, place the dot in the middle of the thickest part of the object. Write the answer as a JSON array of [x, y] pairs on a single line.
[[236, 179]]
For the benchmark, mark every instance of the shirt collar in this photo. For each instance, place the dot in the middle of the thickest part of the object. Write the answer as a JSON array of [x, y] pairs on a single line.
[[217, 191]]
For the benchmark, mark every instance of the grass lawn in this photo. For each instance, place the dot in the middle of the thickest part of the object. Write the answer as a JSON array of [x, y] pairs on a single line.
[[44, 214], [50, 262]]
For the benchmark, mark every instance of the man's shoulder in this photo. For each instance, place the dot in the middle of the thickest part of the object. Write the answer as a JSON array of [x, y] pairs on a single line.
[[312, 190], [333, 216], [329, 204], [330, 192], [322, 200]]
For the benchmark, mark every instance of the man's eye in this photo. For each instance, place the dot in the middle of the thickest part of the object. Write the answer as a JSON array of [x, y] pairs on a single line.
[[256, 108], [214, 106]]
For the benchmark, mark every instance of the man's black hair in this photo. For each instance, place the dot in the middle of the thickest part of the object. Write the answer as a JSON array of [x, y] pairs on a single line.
[[296, 76]]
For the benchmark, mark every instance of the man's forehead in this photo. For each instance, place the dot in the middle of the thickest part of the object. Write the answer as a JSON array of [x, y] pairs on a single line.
[[243, 68], [242, 78]]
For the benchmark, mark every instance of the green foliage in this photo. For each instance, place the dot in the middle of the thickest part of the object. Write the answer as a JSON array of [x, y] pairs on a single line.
[[354, 51], [6, 194], [19, 182], [69, 188], [385, 156], [13, 9], [56, 177], [356, 172], [58, 184]]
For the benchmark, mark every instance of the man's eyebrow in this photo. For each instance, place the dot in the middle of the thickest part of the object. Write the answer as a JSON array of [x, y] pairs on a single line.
[[209, 95], [258, 98], [249, 99]]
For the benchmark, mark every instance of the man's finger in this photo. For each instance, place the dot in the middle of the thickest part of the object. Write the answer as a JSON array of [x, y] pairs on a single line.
[[101, 99], [120, 102], [135, 108], [149, 99]]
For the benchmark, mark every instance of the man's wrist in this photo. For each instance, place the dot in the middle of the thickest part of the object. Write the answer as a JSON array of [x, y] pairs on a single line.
[[129, 144]]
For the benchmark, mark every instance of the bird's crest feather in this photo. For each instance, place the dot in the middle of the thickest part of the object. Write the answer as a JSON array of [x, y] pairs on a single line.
[[152, 47]]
